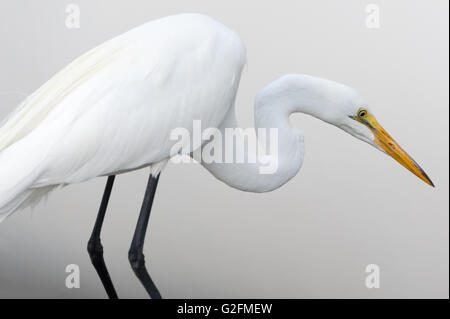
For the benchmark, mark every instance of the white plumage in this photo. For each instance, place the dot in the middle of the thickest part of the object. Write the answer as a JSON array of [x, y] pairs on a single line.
[[112, 110]]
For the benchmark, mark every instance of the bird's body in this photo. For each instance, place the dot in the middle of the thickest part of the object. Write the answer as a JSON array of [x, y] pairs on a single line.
[[114, 109]]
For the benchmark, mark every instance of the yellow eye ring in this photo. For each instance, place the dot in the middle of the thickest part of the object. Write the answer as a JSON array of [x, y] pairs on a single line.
[[362, 113]]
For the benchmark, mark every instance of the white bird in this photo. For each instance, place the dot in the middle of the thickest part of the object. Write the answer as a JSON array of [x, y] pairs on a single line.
[[112, 110]]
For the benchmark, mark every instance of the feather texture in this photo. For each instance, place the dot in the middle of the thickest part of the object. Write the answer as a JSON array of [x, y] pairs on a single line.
[[112, 109]]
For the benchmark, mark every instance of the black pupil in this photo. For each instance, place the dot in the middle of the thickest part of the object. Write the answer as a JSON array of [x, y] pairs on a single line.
[[362, 113]]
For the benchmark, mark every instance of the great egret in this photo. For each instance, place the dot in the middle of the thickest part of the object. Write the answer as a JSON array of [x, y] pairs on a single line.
[[112, 110]]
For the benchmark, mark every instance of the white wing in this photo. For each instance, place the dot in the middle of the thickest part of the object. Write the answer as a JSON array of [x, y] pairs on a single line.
[[113, 108]]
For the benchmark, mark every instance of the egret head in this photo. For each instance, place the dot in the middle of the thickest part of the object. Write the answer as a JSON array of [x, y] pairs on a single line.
[[356, 119], [334, 103]]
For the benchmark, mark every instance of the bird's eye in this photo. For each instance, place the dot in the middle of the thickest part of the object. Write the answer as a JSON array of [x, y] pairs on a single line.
[[362, 113]]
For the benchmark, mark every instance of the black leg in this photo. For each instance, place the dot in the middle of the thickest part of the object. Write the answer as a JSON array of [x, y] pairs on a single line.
[[135, 254], [95, 247]]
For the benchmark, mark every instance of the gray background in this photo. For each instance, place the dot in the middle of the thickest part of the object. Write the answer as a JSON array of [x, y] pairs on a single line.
[[350, 205]]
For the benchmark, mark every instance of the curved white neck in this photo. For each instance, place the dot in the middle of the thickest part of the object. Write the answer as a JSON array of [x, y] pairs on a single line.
[[273, 106], [324, 99]]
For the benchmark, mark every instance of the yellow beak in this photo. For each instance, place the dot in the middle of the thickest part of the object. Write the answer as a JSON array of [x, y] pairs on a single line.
[[391, 147]]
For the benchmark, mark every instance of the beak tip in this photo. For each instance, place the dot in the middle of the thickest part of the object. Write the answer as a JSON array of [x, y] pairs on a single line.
[[427, 180], [425, 177]]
